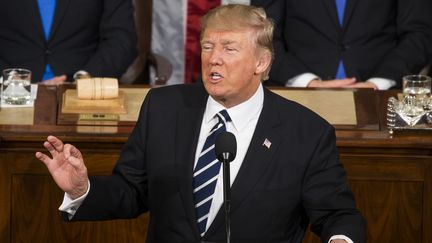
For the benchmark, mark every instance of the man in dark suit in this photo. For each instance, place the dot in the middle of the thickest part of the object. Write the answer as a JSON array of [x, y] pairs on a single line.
[[97, 37], [349, 43], [285, 175]]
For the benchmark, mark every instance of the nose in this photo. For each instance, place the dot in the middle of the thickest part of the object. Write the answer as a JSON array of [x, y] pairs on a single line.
[[216, 58]]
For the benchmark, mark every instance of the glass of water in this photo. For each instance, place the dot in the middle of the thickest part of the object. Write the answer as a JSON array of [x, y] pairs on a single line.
[[16, 86], [416, 98]]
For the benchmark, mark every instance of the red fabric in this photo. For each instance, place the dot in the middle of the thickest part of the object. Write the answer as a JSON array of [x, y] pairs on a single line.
[[195, 10]]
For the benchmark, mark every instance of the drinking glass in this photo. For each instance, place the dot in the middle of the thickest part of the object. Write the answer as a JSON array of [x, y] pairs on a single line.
[[416, 97], [16, 86]]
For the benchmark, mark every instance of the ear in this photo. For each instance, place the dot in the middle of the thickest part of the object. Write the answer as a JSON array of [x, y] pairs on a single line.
[[263, 62]]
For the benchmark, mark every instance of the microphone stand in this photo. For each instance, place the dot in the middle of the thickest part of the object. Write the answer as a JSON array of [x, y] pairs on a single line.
[[225, 148], [227, 194]]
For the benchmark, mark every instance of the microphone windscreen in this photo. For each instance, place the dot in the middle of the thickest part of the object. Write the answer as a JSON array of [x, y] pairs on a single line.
[[226, 144]]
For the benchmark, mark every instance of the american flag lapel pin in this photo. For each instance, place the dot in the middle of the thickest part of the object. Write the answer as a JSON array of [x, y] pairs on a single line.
[[267, 143]]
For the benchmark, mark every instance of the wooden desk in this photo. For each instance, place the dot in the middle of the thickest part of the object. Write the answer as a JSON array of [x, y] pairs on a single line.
[[391, 176]]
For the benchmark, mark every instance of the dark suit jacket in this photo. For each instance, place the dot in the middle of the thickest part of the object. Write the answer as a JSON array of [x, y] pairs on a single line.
[[97, 36], [277, 191], [379, 38]]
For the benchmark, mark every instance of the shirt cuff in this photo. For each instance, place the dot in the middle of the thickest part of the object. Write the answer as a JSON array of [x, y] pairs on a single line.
[[70, 206], [382, 83], [340, 237], [301, 80]]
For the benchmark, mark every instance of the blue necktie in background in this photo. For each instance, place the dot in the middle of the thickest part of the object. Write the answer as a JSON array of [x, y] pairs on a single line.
[[46, 10], [340, 5], [206, 173]]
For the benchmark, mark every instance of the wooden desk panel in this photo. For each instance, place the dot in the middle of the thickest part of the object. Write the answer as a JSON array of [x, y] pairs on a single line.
[[34, 199], [391, 178]]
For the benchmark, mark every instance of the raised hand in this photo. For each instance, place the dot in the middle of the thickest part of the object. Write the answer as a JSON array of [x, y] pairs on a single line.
[[66, 166]]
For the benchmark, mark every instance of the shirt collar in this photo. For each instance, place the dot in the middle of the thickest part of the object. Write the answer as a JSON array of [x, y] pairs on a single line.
[[240, 114]]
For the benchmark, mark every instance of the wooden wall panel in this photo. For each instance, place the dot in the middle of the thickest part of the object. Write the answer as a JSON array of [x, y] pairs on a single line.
[[5, 184], [393, 209]]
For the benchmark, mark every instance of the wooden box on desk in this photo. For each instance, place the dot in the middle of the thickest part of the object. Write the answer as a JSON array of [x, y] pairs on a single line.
[[71, 104]]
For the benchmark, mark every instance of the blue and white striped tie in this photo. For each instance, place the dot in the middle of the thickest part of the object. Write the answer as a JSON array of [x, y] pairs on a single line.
[[206, 173]]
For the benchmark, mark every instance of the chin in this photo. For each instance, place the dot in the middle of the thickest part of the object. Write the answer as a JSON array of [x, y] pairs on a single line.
[[215, 92]]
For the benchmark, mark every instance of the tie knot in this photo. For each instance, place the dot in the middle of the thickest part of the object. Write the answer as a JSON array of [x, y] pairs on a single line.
[[223, 116]]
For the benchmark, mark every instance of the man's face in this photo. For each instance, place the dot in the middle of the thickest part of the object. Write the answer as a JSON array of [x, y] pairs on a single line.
[[231, 66]]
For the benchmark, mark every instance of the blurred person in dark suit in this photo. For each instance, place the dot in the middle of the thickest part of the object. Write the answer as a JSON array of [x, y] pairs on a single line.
[[349, 43], [286, 172], [56, 39]]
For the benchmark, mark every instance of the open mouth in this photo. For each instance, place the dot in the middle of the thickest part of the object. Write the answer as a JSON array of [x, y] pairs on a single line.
[[215, 76]]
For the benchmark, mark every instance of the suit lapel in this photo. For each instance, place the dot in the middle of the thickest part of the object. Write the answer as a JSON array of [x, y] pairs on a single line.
[[61, 6], [188, 128], [33, 14], [349, 9], [332, 11], [330, 6], [257, 159]]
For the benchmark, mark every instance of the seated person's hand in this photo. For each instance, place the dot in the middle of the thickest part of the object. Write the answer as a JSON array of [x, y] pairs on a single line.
[[341, 83], [336, 83], [57, 80], [363, 85]]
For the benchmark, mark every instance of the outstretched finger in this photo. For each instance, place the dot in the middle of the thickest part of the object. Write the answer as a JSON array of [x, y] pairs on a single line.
[[43, 157], [56, 143], [50, 148]]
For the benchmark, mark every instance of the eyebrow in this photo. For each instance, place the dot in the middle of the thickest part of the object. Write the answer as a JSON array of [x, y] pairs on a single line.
[[224, 42], [228, 42]]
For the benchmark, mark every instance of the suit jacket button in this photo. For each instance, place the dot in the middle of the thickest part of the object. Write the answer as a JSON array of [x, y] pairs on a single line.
[[343, 48]]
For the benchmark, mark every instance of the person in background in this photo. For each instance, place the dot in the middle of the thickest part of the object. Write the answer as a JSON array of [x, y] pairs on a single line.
[[56, 39], [286, 173], [349, 43]]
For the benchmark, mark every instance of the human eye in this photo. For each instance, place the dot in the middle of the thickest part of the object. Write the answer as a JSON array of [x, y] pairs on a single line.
[[230, 49], [206, 47]]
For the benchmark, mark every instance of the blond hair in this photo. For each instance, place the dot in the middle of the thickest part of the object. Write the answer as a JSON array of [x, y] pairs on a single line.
[[237, 17]]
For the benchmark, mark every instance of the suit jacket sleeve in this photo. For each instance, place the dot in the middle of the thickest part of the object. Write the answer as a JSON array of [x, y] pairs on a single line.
[[327, 197], [414, 31], [117, 40]]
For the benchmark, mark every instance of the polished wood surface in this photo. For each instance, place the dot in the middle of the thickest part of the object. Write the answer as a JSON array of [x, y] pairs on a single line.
[[391, 176]]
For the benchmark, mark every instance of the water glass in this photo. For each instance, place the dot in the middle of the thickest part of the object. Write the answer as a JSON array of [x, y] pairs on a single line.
[[419, 88], [16, 86]]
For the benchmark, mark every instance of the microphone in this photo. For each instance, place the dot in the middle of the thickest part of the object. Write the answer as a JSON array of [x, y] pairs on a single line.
[[226, 149]]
